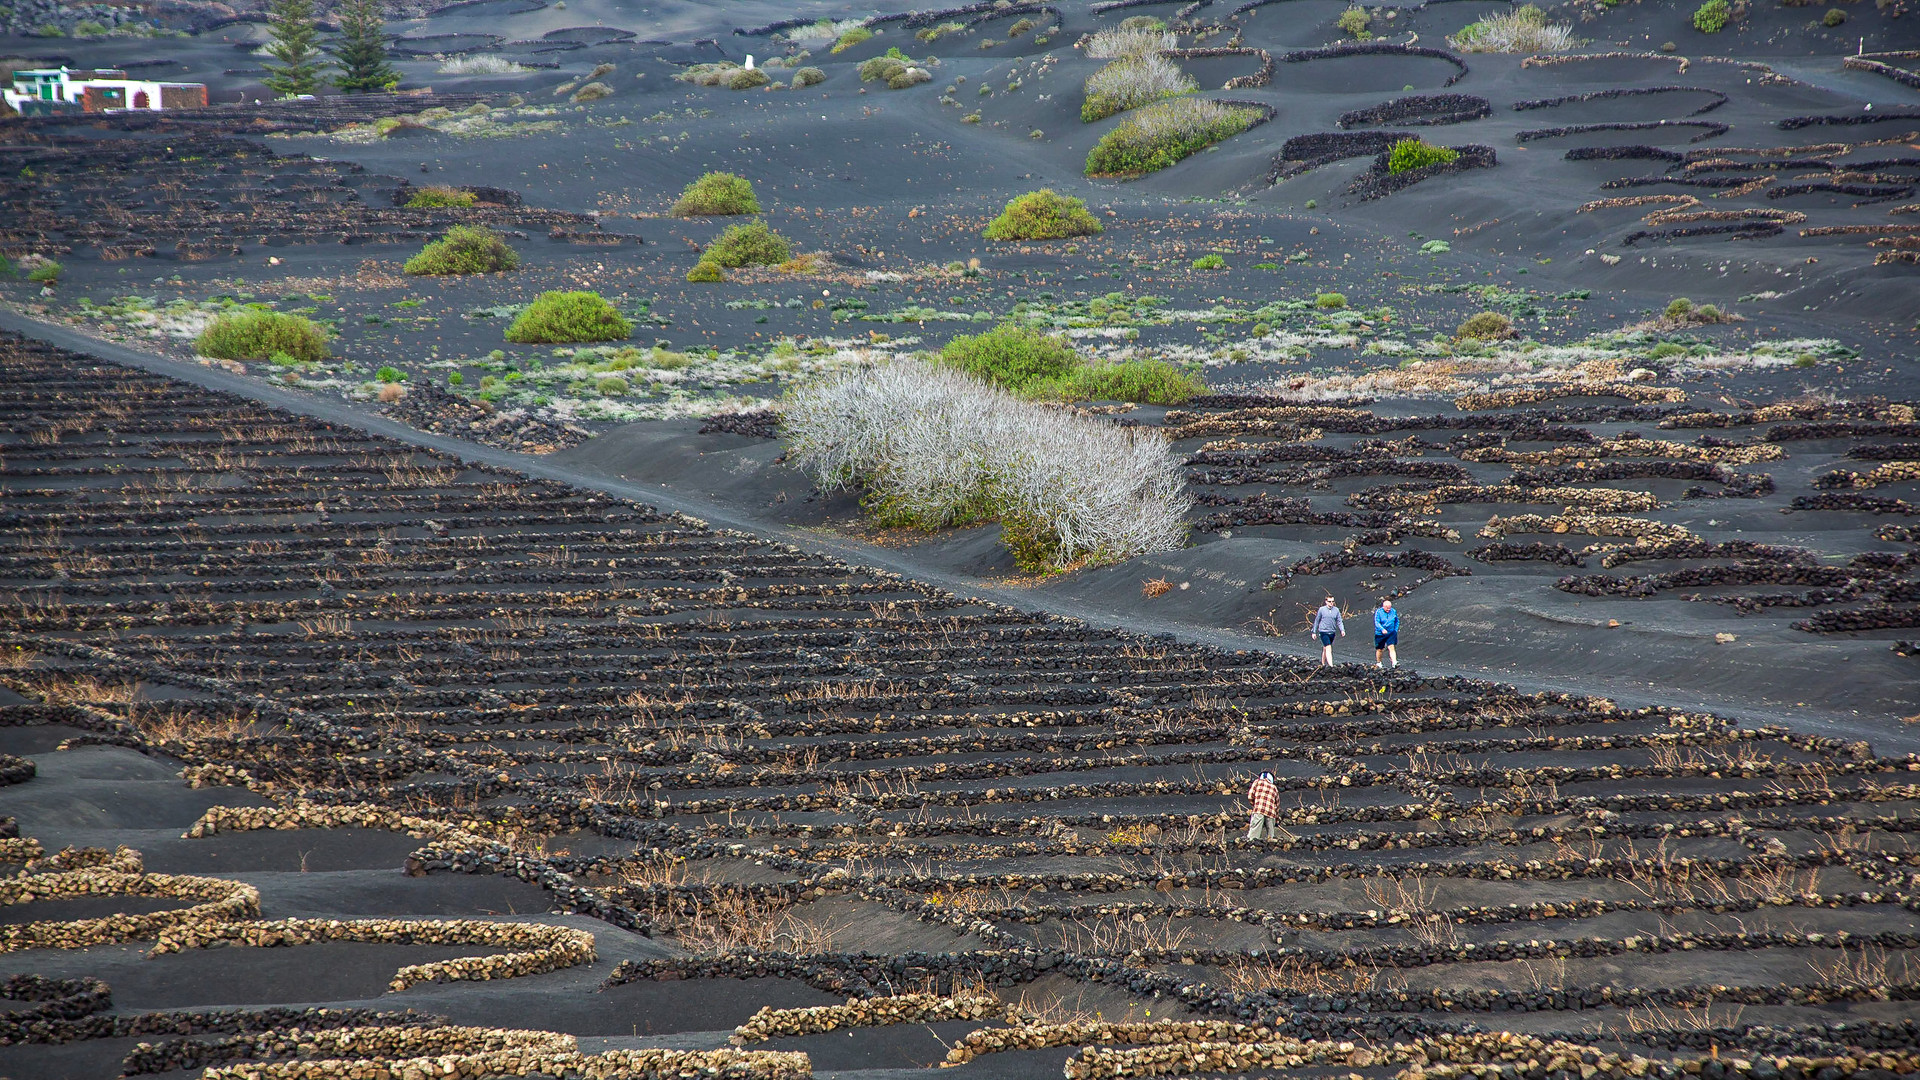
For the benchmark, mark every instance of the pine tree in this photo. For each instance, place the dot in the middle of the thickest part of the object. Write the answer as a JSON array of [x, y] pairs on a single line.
[[298, 70], [362, 49]]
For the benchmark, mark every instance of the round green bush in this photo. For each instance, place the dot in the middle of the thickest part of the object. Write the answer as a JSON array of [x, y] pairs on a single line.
[[464, 249], [429, 198], [1410, 154], [568, 317], [1353, 22], [1042, 215], [1330, 301], [747, 79], [1834, 17], [707, 270], [809, 76], [389, 375], [1712, 16], [47, 273], [1485, 326], [456, 379], [907, 77], [1679, 308], [257, 335], [1209, 262], [880, 69], [593, 91], [1012, 356], [749, 244], [611, 386], [717, 194]]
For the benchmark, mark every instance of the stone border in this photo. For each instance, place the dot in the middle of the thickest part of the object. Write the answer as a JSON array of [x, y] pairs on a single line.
[[224, 900], [540, 948], [771, 1023]]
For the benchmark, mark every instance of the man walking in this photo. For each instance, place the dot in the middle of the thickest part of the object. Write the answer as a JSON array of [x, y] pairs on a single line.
[[1328, 624], [1265, 797], [1386, 633]]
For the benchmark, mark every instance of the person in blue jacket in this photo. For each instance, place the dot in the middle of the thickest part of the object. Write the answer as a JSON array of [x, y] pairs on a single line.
[[1327, 624], [1386, 633]]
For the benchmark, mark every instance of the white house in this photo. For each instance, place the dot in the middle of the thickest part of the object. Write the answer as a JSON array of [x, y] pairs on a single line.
[[44, 91]]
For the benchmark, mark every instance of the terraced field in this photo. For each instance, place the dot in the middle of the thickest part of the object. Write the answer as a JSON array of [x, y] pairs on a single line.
[[735, 775]]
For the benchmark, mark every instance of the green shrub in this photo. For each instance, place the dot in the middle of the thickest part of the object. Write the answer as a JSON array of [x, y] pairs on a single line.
[[1834, 17], [1679, 308], [456, 379], [935, 33], [1143, 22], [1012, 356], [1485, 326], [748, 244], [717, 194], [1209, 262], [257, 335], [1161, 134], [747, 79], [1020, 26], [593, 91], [435, 197], [1410, 154], [611, 386], [1666, 349], [47, 273], [1042, 215], [1712, 16], [1150, 382], [564, 317], [1330, 301], [1353, 22], [89, 28], [880, 69], [809, 76], [389, 375], [851, 38], [707, 270], [896, 69], [464, 249]]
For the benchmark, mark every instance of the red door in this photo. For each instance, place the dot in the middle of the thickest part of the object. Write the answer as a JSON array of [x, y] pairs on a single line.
[[140, 100]]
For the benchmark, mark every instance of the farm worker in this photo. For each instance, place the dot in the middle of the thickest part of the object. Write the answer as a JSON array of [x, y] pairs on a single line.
[[1386, 633], [1328, 624], [1265, 798]]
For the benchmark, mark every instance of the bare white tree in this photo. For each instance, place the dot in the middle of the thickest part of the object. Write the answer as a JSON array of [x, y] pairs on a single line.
[[1135, 41], [930, 446]]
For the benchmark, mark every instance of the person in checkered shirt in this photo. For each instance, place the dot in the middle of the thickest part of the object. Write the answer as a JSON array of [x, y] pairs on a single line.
[[1265, 797]]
